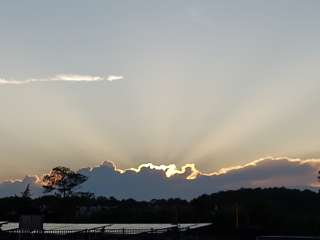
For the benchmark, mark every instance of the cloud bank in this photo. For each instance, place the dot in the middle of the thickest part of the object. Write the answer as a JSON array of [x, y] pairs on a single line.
[[150, 181], [63, 77]]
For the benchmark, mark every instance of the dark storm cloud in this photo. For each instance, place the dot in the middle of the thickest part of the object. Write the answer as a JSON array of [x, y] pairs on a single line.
[[152, 183]]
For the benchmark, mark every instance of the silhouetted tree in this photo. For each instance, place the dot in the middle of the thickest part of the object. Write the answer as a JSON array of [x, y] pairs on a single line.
[[62, 180], [27, 192]]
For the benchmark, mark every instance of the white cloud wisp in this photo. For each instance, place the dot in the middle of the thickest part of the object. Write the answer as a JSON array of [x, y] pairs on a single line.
[[63, 77]]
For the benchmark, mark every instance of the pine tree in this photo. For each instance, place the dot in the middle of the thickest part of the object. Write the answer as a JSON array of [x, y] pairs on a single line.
[[62, 180], [27, 192]]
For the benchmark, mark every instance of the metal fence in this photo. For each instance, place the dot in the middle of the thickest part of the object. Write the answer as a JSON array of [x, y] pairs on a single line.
[[87, 234]]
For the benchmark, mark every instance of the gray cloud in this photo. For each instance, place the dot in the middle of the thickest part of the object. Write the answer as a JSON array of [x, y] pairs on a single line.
[[148, 182], [63, 77], [15, 187]]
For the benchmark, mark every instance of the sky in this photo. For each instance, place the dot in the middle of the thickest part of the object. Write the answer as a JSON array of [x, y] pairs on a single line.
[[214, 83]]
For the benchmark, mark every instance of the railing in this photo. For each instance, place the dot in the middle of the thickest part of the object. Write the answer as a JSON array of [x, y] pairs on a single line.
[[87, 234]]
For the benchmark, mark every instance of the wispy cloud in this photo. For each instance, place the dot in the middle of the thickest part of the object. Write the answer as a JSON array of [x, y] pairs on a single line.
[[114, 78], [63, 77]]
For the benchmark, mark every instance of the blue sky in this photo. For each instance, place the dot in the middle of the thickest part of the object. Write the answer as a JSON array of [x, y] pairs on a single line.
[[213, 83]]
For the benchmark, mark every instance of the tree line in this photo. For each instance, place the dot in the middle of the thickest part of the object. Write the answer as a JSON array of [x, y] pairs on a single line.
[[276, 210], [269, 210]]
